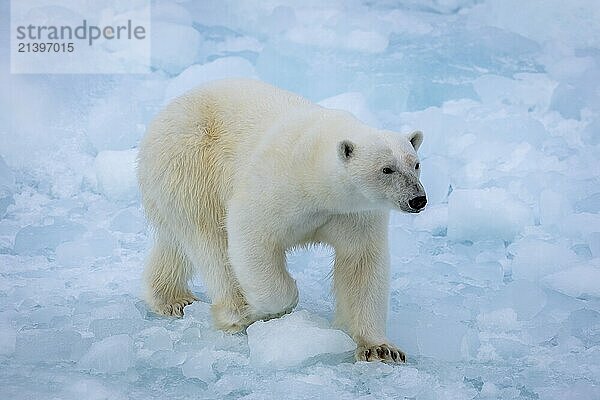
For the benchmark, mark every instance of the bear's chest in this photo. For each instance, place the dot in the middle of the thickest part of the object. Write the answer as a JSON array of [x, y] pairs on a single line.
[[302, 230]]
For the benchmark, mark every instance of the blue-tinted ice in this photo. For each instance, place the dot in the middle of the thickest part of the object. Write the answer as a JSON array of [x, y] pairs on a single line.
[[495, 287]]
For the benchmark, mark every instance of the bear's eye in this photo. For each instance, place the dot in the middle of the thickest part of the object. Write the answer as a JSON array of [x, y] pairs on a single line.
[[417, 165], [387, 170]]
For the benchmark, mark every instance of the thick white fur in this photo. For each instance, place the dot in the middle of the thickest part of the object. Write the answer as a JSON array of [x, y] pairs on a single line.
[[234, 173]]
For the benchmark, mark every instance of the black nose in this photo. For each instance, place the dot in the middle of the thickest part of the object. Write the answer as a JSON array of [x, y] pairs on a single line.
[[418, 202]]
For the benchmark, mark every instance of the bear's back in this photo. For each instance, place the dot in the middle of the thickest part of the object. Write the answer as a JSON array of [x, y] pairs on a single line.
[[244, 106], [230, 113], [205, 135]]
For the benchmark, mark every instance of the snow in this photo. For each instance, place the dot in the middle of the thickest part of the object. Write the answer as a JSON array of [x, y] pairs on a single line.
[[580, 281], [502, 320], [32, 239], [115, 174], [456, 344], [7, 183], [110, 355], [8, 339], [593, 240], [171, 58], [435, 220], [584, 324], [94, 245], [353, 102], [533, 258], [296, 339], [128, 220], [198, 74], [526, 298], [475, 214], [371, 42], [554, 207], [48, 345], [495, 289], [200, 366], [157, 338], [113, 122]]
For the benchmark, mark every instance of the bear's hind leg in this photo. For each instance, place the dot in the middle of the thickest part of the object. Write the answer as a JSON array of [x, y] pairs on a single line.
[[166, 275], [229, 308], [261, 271]]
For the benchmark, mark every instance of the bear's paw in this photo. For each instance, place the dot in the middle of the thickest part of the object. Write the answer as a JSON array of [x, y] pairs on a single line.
[[383, 352], [174, 307], [231, 316]]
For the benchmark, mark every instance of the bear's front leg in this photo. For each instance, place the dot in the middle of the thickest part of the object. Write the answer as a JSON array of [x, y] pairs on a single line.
[[260, 269], [361, 285], [361, 282]]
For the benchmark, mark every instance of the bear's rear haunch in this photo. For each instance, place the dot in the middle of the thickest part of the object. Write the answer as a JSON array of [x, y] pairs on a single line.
[[234, 173]]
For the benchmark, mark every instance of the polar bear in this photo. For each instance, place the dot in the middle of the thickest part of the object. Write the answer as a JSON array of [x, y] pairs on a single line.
[[236, 172]]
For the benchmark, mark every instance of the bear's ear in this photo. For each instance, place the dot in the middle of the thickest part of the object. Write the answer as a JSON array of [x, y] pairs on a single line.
[[345, 150], [416, 138]]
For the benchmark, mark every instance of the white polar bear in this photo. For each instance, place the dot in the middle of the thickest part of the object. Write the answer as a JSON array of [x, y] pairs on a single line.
[[235, 173]]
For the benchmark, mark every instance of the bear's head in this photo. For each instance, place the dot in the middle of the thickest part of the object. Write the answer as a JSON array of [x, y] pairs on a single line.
[[385, 169]]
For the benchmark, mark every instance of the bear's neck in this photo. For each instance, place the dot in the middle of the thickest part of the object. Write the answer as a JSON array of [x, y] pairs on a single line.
[[330, 190]]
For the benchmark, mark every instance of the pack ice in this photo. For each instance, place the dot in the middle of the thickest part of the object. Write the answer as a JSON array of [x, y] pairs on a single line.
[[494, 288]]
